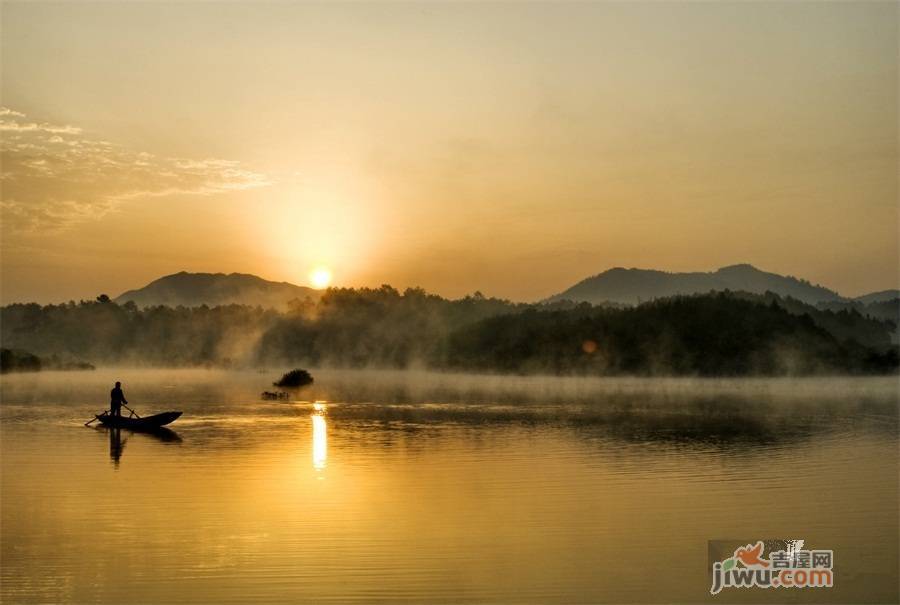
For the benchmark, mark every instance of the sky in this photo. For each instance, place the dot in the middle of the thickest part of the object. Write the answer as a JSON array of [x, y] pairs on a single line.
[[508, 148]]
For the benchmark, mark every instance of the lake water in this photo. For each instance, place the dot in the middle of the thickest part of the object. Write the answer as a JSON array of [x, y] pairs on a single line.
[[440, 488]]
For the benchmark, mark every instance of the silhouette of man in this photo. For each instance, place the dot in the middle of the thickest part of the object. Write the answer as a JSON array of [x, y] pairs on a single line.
[[116, 399]]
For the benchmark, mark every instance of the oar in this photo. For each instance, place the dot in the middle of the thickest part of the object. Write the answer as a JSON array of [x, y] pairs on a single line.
[[130, 410], [96, 417]]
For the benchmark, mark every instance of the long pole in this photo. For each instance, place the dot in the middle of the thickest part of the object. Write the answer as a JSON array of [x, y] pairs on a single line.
[[130, 410], [96, 417]]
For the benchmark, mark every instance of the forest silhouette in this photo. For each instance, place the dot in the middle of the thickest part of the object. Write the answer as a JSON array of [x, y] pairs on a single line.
[[714, 334]]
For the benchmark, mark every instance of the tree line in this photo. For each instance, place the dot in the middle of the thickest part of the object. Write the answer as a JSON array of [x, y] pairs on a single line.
[[715, 334]]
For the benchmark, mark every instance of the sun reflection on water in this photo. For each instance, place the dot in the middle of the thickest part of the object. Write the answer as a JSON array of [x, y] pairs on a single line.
[[319, 436]]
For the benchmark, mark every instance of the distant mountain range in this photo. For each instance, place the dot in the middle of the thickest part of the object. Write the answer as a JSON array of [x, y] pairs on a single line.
[[622, 286], [195, 289], [631, 286]]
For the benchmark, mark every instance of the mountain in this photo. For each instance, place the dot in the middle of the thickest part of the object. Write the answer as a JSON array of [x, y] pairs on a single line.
[[631, 286], [195, 289], [878, 297]]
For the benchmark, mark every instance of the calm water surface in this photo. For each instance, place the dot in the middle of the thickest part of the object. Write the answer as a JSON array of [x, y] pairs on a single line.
[[440, 488]]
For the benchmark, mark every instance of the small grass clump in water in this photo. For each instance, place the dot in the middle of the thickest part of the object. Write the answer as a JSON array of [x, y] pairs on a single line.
[[295, 378]]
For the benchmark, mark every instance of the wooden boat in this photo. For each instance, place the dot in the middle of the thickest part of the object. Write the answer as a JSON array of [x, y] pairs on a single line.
[[147, 423]]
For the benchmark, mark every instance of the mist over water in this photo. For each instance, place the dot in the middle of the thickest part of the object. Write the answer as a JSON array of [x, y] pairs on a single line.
[[440, 487]]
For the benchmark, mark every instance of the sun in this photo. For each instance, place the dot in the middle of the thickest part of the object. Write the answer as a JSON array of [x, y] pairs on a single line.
[[320, 277]]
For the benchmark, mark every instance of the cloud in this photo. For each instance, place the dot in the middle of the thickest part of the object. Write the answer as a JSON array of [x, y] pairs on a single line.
[[14, 126], [53, 177]]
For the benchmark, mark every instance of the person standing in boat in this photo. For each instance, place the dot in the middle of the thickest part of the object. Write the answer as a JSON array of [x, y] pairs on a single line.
[[116, 399]]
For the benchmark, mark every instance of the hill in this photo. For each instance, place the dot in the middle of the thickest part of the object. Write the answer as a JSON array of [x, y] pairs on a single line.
[[883, 309], [631, 286], [878, 297], [212, 289]]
